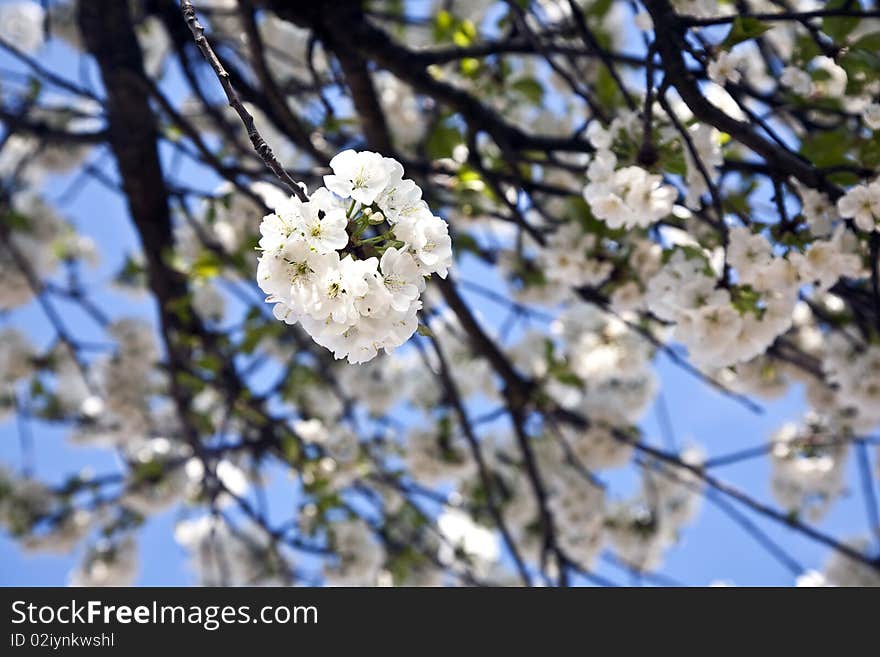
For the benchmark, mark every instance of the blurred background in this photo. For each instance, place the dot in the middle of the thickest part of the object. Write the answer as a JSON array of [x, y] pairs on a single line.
[[725, 543]]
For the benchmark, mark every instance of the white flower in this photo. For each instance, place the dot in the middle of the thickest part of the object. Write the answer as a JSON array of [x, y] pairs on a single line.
[[462, 533], [818, 211], [832, 82], [706, 141], [427, 238], [750, 254], [811, 579], [359, 175], [862, 204], [400, 196], [602, 166], [288, 273], [249, 556], [277, 227], [322, 223], [401, 277], [798, 80], [628, 197], [648, 197], [21, 24], [600, 138], [312, 431], [337, 288], [825, 261], [725, 68], [715, 326], [566, 257], [716, 332]]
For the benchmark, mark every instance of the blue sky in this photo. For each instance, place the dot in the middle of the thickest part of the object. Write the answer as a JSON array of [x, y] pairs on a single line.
[[714, 547]]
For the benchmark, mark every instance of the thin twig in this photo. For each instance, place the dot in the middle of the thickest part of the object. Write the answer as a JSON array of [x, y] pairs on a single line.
[[260, 146]]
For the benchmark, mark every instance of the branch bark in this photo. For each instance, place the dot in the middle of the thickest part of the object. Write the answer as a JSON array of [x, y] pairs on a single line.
[[133, 135]]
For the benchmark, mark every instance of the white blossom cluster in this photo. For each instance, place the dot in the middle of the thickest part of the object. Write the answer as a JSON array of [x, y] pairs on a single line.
[[808, 468], [626, 197], [175, 476], [116, 395], [223, 555], [841, 570], [41, 239], [225, 224], [722, 325], [809, 459], [341, 457], [350, 263], [611, 360], [612, 384], [360, 556], [577, 504], [481, 546], [16, 363], [566, 258], [643, 528], [31, 159], [23, 501], [438, 453], [821, 77], [855, 373], [108, 563], [716, 333]]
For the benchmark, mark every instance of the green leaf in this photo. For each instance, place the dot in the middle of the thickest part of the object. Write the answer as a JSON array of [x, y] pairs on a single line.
[[132, 273], [290, 449], [805, 49], [149, 472], [599, 8], [255, 334], [743, 29], [470, 179], [606, 87], [861, 65], [530, 88], [15, 221], [838, 27], [826, 149], [869, 152], [469, 66], [442, 140], [672, 158], [869, 43], [207, 265], [424, 330], [465, 34], [568, 378], [745, 299], [465, 242], [443, 25]]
